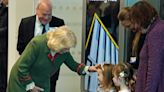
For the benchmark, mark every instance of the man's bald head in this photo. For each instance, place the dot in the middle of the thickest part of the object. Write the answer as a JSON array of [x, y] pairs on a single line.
[[44, 4]]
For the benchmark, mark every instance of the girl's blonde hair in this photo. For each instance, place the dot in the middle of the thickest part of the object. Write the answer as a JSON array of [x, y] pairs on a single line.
[[123, 70], [61, 38], [124, 14], [107, 75]]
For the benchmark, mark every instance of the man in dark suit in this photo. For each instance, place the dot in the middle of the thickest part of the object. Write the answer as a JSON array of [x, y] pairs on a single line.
[[37, 25], [3, 44]]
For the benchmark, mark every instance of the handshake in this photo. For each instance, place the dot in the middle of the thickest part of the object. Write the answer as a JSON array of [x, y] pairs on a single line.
[[94, 68]]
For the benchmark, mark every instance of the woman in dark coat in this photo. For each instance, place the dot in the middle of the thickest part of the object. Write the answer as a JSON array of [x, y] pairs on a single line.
[[150, 75]]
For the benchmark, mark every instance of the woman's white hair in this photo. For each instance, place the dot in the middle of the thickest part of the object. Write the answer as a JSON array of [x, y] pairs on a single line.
[[61, 38]]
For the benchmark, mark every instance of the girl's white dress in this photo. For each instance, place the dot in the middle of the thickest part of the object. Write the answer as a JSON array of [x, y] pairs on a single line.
[[124, 90], [100, 89]]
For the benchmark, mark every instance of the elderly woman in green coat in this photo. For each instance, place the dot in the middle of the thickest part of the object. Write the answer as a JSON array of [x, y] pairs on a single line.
[[42, 57]]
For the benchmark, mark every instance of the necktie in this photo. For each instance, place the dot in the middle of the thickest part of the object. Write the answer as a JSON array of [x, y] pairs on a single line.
[[44, 29]]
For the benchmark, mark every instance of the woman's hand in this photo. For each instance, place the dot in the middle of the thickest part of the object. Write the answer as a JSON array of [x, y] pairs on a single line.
[[37, 89], [94, 68]]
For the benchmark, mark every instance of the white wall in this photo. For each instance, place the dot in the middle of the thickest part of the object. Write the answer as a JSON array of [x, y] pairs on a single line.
[[17, 10], [71, 12]]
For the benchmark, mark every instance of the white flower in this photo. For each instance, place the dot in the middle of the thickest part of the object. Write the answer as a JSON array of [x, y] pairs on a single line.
[[122, 74]]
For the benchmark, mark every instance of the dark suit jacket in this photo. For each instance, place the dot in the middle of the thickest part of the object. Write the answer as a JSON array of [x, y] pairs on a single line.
[[3, 29], [26, 30], [26, 33], [3, 46]]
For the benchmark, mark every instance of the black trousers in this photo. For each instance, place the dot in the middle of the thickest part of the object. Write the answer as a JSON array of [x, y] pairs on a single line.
[[3, 71], [54, 79]]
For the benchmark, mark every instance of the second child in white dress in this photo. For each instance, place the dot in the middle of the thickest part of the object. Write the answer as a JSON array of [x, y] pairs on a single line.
[[122, 74]]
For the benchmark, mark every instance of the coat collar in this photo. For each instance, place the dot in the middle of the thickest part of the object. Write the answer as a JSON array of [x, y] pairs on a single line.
[[157, 19]]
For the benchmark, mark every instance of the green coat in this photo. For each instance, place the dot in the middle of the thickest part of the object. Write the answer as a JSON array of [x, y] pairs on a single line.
[[34, 65]]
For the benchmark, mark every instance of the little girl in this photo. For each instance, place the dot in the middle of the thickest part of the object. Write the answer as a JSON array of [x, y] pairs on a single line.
[[105, 78], [122, 74]]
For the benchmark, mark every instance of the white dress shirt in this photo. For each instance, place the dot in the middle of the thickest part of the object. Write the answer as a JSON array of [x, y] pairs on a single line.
[[39, 27]]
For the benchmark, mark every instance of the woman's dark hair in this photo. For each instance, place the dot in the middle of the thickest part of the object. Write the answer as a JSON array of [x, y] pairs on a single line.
[[142, 13]]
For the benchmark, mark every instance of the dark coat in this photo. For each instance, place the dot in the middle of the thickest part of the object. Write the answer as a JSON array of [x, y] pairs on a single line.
[[3, 28], [3, 46], [150, 75]]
